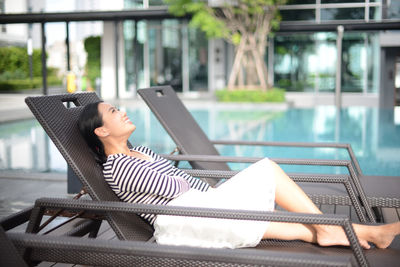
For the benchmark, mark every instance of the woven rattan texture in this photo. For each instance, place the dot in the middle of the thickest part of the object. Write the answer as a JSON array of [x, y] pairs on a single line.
[[9, 255], [60, 123], [125, 253]]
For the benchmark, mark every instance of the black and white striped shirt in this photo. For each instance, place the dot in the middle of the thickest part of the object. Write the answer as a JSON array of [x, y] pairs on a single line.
[[153, 181]]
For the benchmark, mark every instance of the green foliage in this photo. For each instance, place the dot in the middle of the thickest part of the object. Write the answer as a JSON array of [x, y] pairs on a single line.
[[14, 70], [93, 49], [23, 84], [14, 62], [212, 24], [273, 95]]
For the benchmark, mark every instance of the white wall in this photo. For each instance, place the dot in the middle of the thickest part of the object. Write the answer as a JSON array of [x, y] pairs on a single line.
[[216, 65]]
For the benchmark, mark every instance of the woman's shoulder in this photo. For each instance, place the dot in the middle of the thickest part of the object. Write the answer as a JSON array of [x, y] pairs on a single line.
[[116, 159], [144, 149]]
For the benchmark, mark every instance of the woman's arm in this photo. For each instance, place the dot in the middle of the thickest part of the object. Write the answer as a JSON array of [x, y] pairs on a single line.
[[194, 182], [132, 176]]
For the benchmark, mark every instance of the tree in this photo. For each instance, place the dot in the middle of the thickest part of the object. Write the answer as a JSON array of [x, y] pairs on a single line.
[[244, 23]]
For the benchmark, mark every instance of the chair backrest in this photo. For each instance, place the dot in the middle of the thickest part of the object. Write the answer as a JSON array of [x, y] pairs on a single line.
[[60, 123], [180, 125]]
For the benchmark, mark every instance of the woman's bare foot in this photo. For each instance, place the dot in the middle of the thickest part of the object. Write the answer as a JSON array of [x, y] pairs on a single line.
[[335, 236], [383, 236]]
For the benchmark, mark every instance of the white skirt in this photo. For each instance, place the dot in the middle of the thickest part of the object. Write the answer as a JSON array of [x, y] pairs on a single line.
[[251, 189]]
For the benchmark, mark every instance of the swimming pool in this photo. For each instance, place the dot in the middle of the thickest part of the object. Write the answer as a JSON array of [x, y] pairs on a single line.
[[373, 133]]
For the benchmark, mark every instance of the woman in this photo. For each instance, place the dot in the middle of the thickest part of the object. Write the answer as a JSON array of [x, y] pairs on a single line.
[[138, 175]]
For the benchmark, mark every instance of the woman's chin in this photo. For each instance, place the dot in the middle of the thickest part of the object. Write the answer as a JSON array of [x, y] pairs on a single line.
[[133, 128]]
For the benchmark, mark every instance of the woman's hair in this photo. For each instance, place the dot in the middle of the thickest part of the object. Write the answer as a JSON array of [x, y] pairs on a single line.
[[88, 121]]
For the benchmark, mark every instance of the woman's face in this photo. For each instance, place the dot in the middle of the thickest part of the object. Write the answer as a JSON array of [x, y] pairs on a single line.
[[115, 122]]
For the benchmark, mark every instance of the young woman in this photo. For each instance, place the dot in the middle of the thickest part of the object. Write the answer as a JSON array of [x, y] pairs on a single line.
[[139, 175]]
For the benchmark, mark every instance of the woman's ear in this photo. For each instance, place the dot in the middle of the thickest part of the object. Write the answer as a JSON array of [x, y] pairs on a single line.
[[101, 132]]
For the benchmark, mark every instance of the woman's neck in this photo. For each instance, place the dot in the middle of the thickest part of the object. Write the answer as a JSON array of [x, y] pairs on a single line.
[[116, 148]]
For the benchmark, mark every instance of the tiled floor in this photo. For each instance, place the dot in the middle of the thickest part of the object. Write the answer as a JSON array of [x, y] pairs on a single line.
[[19, 193]]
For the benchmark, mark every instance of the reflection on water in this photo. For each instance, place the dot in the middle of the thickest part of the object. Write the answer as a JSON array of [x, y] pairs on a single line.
[[373, 133]]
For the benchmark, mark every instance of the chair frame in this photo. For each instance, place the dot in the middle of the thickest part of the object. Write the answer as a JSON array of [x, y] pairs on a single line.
[[104, 207]]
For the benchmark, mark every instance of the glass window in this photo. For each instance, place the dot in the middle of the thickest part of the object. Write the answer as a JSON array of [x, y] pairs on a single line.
[[393, 10], [342, 13], [130, 55], [353, 62], [133, 4], [373, 60], [305, 62], [156, 3], [341, 1], [375, 13], [141, 51], [141, 3], [165, 53], [360, 62], [292, 15], [300, 2], [397, 79], [198, 60]]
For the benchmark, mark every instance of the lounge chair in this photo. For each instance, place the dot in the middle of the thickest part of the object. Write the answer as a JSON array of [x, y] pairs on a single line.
[[191, 140], [94, 252], [59, 122]]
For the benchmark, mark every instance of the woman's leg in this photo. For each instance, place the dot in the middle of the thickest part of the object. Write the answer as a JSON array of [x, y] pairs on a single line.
[[291, 197], [290, 231], [381, 235]]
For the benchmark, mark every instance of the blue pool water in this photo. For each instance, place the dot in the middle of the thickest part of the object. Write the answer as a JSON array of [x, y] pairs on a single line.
[[373, 133]]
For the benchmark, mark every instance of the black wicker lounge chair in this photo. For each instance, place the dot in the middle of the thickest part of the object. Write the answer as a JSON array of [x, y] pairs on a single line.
[[191, 140], [94, 252], [59, 122]]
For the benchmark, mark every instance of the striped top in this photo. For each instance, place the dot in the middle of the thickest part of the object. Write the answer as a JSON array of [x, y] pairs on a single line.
[[153, 181]]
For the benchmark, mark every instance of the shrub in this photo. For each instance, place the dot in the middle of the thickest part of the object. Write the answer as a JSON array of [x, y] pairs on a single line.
[[273, 95], [24, 84], [15, 59]]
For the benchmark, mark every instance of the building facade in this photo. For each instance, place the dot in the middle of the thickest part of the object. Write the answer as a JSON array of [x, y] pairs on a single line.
[[304, 63], [314, 66]]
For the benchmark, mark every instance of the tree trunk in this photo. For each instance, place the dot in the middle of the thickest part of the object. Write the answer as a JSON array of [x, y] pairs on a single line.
[[249, 59], [236, 63]]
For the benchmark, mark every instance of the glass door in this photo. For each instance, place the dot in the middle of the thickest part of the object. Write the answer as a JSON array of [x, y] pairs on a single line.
[[165, 53]]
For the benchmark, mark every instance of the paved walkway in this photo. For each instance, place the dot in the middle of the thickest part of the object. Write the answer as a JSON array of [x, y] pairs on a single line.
[[13, 107]]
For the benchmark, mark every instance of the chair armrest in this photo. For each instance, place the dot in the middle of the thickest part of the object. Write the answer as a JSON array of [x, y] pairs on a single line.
[[305, 218], [16, 219], [295, 144]]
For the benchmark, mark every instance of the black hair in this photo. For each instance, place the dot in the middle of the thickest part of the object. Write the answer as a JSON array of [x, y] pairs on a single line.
[[90, 119]]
